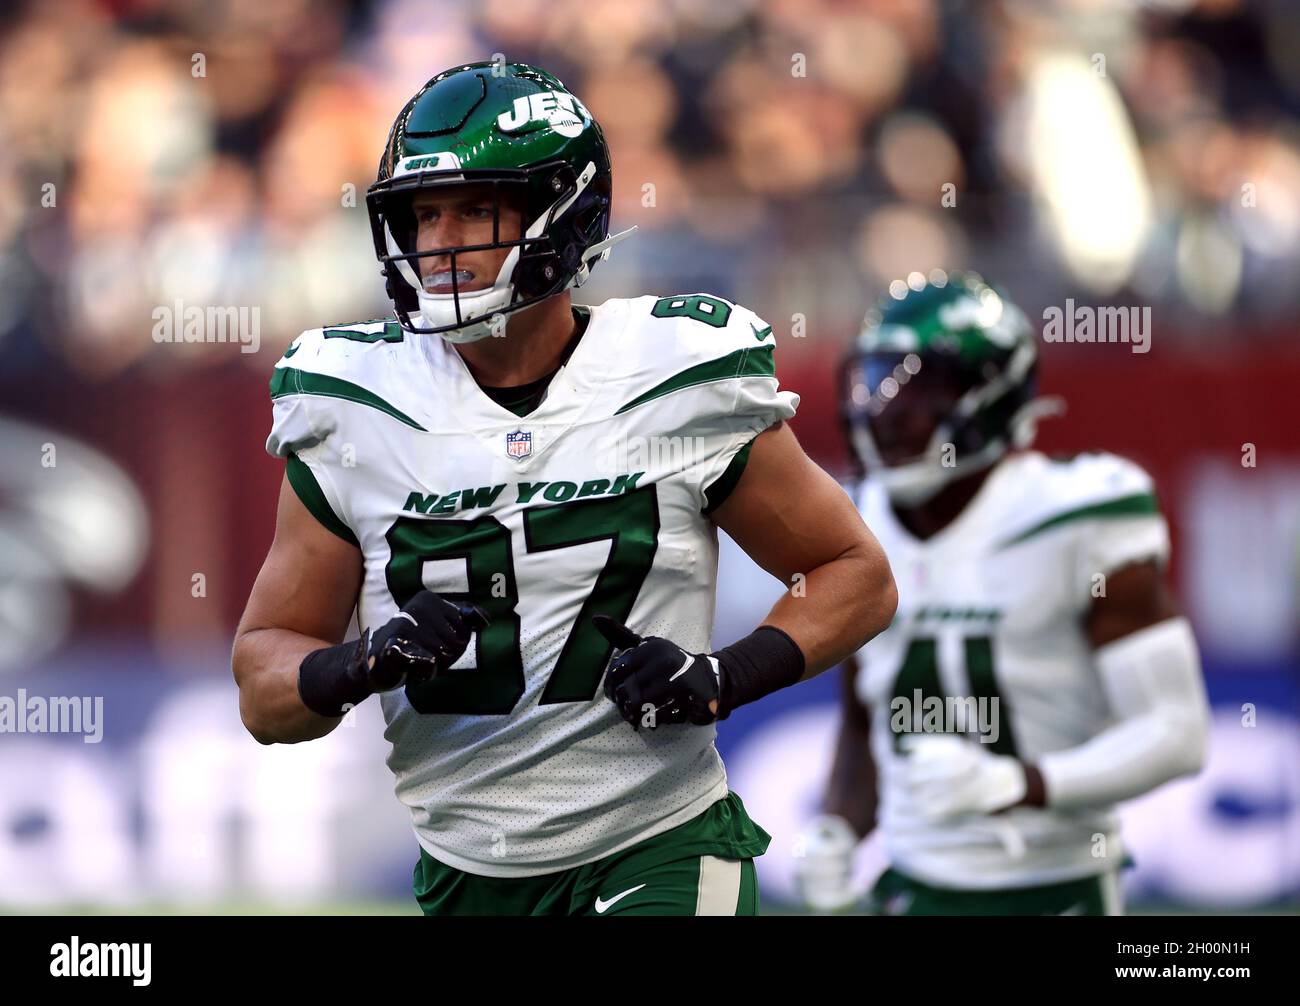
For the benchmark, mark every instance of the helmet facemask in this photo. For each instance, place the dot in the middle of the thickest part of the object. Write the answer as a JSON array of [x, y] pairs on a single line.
[[563, 218], [921, 421]]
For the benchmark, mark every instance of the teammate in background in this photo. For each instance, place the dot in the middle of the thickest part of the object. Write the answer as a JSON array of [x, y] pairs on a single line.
[[482, 479], [1037, 672]]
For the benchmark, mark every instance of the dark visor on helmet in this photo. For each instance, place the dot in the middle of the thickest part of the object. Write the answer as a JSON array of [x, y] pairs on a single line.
[[883, 380]]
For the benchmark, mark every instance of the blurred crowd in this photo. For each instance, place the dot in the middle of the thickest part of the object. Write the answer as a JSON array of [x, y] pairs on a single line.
[[795, 155]]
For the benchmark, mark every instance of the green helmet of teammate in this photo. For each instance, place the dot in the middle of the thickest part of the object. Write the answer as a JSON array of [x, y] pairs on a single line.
[[518, 129], [938, 384]]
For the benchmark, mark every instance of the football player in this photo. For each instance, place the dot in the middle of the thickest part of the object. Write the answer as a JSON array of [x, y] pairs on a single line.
[[1038, 671], [512, 490]]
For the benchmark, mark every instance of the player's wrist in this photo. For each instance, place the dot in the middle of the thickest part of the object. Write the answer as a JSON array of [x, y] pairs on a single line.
[[333, 679], [763, 662], [1035, 787]]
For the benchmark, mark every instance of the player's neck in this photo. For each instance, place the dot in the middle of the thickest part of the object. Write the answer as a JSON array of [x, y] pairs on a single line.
[[929, 518], [532, 347]]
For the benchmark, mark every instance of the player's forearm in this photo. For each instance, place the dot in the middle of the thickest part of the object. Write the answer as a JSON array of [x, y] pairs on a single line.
[[1125, 761], [838, 607], [1153, 682], [851, 793], [266, 665]]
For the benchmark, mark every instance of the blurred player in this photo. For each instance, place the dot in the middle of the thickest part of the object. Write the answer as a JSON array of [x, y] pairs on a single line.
[[1037, 671], [499, 466]]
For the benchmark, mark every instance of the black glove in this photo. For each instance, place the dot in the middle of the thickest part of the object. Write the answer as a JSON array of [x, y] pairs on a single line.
[[657, 672], [426, 637]]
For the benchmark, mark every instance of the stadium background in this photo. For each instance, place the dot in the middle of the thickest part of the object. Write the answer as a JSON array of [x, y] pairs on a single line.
[[793, 156]]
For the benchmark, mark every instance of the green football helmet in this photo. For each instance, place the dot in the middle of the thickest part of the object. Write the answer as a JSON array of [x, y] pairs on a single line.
[[939, 383], [518, 129]]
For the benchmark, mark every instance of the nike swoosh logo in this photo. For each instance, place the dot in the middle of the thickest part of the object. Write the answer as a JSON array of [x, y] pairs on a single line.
[[690, 659], [292, 349], [760, 336], [601, 906]]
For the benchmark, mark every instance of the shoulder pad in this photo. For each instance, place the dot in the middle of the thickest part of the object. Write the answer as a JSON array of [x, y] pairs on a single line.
[[692, 340], [1095, 485], [323, 366], [335, 348]]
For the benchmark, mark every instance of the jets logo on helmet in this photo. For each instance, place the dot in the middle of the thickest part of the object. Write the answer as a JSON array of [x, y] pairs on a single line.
[[519, 133], [443, 161], [558, 109], [939, 383]]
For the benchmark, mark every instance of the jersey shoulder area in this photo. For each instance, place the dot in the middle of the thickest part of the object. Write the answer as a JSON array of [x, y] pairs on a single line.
[[360, 363], [1047, 493], [353, 350], [695, 347], [667, 332]]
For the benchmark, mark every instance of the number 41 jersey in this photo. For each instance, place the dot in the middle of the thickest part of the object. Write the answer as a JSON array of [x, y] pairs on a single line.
[[989, 640], [513, 763]]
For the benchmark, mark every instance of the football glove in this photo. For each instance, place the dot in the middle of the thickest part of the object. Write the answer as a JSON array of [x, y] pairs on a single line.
[[947, 777], [653, 680], [823, 873], [426, 637]]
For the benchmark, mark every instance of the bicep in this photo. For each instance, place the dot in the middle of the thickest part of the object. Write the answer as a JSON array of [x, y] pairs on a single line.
[[1135, 597], [310, 580], [787, 514]]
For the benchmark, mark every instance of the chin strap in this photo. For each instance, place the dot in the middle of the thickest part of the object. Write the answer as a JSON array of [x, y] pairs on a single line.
[[599, 252], [1023, 425], [918, 481]]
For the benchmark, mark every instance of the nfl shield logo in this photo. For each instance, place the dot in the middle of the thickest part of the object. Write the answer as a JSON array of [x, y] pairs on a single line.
[[519, 444]]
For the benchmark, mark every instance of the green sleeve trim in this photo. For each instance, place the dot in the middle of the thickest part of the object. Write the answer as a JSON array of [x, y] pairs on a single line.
[[313, 498], [1136, 505], [752, 361], [290, 381], [391, 332], [716, 494]]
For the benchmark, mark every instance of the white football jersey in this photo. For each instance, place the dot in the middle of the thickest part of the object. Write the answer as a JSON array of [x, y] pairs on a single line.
[[991, 609], [514, 763]]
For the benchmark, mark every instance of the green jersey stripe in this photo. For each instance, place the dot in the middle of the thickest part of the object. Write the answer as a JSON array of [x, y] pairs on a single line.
[[716, 493], [289, 381], [753, 361], [313, 498], [391, 332], [1136, 505]]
